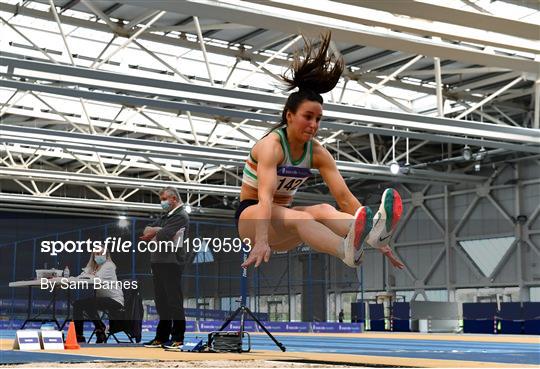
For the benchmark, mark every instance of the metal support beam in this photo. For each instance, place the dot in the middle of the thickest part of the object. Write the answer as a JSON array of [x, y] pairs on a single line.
[[231, 71], [434, 265], [203, 49], [438, 83], [272, 19], [409, 25], [490, 97], [412, 122], [28, 40], [117, 148], [11, 104], [59, 24], [478, 83], [69, 121], [98, 58], [66, 45], [472, 70], [167, 65], [386, 97], [141, 18], [505, 116], [285, 47], [130, 39], [102, 180], [183, 27], [536, 120], [166, 40], [343, 90], [452, 15], [395, 73], [104, 17], [519, 234]]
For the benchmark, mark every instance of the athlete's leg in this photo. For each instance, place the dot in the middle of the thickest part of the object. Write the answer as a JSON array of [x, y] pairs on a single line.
[[384, 225], [386, 219], [339, 222], [288, 228]]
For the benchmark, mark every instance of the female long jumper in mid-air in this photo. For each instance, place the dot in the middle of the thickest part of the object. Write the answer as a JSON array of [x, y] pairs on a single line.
[[281, 161]]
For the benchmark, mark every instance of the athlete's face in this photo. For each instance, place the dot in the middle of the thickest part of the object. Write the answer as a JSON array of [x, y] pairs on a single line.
[[305, 122]]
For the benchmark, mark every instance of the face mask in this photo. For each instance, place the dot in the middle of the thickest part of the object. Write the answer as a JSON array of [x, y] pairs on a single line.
[[165, 205], [100, 259]]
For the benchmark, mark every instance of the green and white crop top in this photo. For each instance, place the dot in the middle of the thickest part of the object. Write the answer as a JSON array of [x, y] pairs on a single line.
[[290, 174]]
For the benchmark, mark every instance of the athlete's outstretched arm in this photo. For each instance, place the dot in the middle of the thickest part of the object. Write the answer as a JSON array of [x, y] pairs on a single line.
[[268, 150]]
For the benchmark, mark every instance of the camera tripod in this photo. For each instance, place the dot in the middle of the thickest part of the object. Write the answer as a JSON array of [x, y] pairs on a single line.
[[244, 311]]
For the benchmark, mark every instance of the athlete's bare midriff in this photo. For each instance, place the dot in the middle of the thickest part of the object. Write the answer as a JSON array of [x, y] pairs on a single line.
[[250, 193]]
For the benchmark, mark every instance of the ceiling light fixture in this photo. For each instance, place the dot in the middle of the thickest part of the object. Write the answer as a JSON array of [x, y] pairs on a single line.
[[123, 221], [467, 153], [482, 153], [394, 167]]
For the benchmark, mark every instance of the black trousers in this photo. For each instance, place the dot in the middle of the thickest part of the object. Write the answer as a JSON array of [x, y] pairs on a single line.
[[169, 302], [87, 309]]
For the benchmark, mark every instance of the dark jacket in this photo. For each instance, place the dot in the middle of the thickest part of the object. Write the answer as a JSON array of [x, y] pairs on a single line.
[[174, 227], [132, 320]]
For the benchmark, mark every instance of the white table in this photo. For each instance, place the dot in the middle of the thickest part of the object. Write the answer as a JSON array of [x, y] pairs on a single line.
[[58, 286]]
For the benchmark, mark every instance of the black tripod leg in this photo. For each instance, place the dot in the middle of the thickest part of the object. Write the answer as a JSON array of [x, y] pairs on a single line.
[[230, 319], [279, 344]]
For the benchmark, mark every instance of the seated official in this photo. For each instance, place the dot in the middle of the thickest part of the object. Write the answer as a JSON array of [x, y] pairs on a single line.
[[110, 300]]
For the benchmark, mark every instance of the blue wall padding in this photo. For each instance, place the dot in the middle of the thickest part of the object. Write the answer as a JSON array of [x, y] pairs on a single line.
[[401, 310], [531, 326], [531, 310], [531, 314], [511, 311], [476, 310], [479, 317], [478, 326], [401, 325], [377, 325], [376, 317], [400, 317], [357, 312], [376, 311], [511, 326], [511, 316]]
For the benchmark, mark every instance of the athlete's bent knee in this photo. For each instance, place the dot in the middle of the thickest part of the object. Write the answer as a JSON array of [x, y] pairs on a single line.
[[325, 208], [317, 211], [321, 211]]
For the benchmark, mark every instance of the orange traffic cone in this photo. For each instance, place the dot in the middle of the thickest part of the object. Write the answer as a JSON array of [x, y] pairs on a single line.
[[71, 340]]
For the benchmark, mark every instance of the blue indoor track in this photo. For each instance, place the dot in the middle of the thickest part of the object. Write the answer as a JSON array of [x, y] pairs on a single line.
[[496, 352], [489, 352]]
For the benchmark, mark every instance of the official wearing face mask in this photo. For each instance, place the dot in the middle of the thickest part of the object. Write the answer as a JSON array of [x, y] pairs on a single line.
[[105, 299], [167, 270]]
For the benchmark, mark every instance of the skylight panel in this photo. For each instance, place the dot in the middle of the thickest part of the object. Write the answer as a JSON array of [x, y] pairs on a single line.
[[487, 253]]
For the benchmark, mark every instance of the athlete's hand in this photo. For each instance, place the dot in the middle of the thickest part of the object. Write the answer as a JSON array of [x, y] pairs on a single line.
[[387, 251], [261, 251]]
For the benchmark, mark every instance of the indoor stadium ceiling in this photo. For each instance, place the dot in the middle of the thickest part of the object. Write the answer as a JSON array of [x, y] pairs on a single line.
[[105, 102]]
